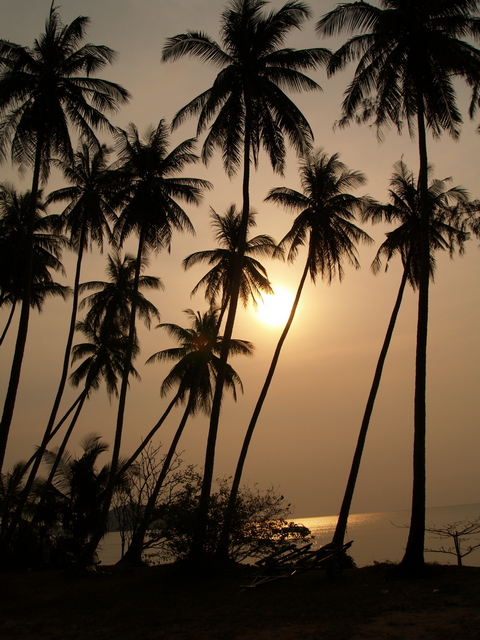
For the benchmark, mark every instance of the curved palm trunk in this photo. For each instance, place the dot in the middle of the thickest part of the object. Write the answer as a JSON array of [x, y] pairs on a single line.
[[108, 495], [9, 322], [58, 458], [59, 425], [340, 530], [198, 542], [223, 544], [47, 436], [134, 551], [9, 405], [150, 435], [413, 560]]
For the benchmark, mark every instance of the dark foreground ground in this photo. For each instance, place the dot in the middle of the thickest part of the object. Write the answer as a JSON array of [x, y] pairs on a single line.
[[167, 602]]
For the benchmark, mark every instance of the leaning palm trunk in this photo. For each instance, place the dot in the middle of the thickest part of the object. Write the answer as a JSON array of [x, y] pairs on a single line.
[[9, 405], [414, 560], [198, 542], [340, 530], [9, 322], [223, 543], [149, 436], [59, 425], [47, 436], [110, 488], [58, 458], [134, 551]]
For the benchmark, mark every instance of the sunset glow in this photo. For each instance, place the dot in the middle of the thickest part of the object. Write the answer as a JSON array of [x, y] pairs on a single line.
[[275, 309]]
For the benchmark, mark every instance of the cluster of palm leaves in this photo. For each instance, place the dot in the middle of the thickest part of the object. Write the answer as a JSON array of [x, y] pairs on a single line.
[[408, 55]]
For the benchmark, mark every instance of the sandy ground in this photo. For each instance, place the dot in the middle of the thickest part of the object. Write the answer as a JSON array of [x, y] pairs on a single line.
[[171, 603]]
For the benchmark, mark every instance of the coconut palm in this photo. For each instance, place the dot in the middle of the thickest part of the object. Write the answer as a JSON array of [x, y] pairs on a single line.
[[194, 375], [248, 110], [325, 225], [109, 310], [86, 219], [218, 281], [148, 198], [410, 53], [47, 250], [79, 488], [404, 240], [42, 97], [111, 302]]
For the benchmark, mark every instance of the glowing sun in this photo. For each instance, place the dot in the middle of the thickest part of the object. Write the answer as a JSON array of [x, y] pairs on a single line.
[[275, 309]]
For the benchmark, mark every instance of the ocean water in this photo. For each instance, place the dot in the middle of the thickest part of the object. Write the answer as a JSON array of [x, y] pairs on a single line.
[[377, 537]]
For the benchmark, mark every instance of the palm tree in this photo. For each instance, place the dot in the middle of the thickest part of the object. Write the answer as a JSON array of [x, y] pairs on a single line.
[[195, 375], [249, 109], [410, 53], [86, 218], [149, 194], [111, 303], [103, 357], [42, 96], [218, 281], [404, 208], [47, 250], [79, 489], [104, 324], [325, 226]]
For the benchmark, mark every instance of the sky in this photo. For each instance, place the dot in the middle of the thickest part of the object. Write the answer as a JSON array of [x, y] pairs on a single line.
[[305, 437]]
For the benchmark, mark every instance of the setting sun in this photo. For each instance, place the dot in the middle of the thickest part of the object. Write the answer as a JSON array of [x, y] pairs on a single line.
[[275, 309]]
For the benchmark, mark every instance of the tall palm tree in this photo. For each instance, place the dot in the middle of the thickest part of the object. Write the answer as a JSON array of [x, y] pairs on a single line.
[[103, 357], [148, 197], [43, 95], [86, 219], [105, 325], [248, 109], [194, 374], [218, 281], [47, 250], [410, 53], [404, 208], [325, 225]]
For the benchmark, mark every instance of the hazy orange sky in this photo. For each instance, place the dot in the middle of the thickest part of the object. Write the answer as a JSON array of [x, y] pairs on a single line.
[[307, 431]]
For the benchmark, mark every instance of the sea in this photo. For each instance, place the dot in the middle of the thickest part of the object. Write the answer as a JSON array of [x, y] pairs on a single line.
[[377, 537]]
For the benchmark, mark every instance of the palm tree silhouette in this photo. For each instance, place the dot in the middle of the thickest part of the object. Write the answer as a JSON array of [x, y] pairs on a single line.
[[409, 54], [47, 250], [404, 241], [103, 325], [195, 376], [148, 197], [249, 110], [218, 281], [79, 488], [325, 226], [42, 97], [86, 218]]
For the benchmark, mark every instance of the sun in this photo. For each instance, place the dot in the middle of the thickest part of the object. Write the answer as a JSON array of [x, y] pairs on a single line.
[[275, 309]]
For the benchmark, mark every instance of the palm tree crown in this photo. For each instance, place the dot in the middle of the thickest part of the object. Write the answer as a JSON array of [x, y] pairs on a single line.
[[218, 281], [325, 222], [151, 186], [197, 355], [47, 249], [43, 91], [247, 94], [404, 208], [409, 53]]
